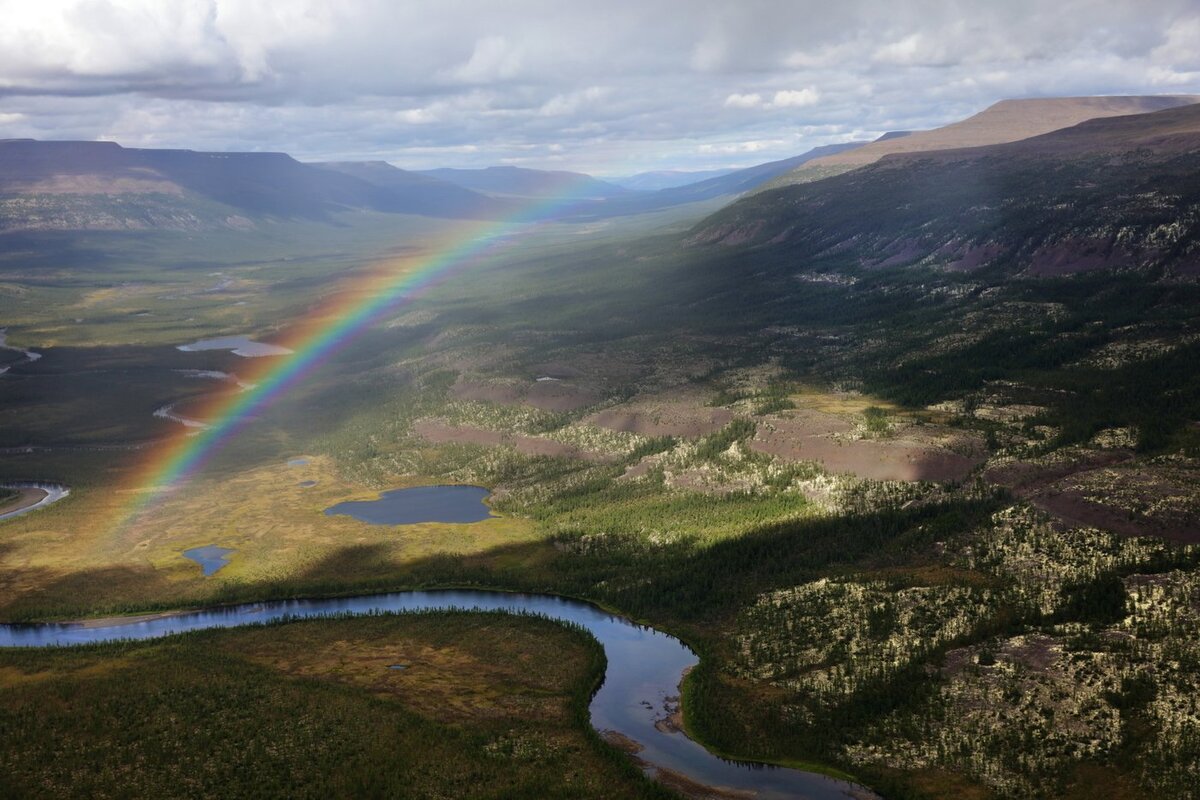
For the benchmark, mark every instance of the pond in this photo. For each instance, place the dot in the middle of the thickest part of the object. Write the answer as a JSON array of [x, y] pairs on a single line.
[[419, 504], [242, 346], [210, 558], [636, 700]]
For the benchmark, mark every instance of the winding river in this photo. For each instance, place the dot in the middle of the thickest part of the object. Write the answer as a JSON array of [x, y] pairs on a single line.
[[639, 693]]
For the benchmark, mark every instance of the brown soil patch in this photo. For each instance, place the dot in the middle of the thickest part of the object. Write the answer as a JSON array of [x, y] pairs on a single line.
[[1109, 489], [813, 436], [553, 395], [684, 416], [559, 396], [1027, 476], [1075, 509], [1036, 653]]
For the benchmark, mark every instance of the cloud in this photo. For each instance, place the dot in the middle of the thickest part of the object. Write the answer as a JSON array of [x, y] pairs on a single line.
[[613, 87], [795, 98], [493, 59], [752, 100]]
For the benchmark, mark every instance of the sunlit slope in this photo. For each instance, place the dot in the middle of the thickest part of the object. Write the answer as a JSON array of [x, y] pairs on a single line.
[[1005, 121], [1121, 192]]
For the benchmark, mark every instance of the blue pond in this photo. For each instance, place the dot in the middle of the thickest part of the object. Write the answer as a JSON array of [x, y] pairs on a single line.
[[210, 557], [419, 504]]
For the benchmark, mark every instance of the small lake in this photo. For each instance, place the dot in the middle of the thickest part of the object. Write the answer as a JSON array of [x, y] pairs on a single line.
[[210, 558], [639, 692], [242, 346], [419, 504]]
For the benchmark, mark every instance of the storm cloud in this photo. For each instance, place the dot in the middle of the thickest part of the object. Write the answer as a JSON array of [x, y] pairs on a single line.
[[610, 88]]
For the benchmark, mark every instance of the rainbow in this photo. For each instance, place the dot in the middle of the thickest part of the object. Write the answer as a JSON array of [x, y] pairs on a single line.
[[361, 302]]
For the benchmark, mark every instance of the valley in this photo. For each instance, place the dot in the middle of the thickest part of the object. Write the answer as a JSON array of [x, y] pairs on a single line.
[[908, 456]]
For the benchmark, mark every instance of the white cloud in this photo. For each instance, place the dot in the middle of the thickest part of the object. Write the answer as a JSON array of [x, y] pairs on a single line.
[[493, 59], [636, 83], [795, 98], [744, 100], [753, 146], [566, 104]]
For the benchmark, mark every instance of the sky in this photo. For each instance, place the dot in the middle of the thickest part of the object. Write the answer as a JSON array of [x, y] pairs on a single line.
[[610, 88]]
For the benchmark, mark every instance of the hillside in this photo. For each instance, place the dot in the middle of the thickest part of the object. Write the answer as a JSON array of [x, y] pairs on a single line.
[[1005, 121], [1121, 192], [65, 185], [412, 192]]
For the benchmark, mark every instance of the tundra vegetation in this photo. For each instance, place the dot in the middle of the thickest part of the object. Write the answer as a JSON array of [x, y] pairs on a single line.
[[935, 528]]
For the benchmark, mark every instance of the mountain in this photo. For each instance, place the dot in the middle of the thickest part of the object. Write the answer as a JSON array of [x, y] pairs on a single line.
[[65, 185], [1005, 121], [529, 183], [665, 179], [734, 183], [417, 193], [1114, 192]]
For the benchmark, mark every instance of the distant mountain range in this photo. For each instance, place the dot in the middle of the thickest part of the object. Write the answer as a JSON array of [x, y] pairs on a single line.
[[1114, 192], [60, 185], [666, 179], [529, 183], [729, 185], [63, 185], [103, 186]]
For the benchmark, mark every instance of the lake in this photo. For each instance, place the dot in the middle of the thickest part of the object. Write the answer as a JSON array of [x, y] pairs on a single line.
[[419, 504]]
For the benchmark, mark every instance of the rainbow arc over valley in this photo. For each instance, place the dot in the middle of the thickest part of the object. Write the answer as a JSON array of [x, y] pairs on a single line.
[[364, 299]]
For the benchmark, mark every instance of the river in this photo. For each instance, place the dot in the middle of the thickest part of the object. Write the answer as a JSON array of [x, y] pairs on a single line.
[[639, 693]]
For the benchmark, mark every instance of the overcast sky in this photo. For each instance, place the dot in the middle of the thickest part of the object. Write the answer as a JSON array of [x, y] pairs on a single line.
[[605, 86]]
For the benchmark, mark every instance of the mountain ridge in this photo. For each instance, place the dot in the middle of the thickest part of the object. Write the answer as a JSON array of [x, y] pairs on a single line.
[[1003, 121], [1117, 192]]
